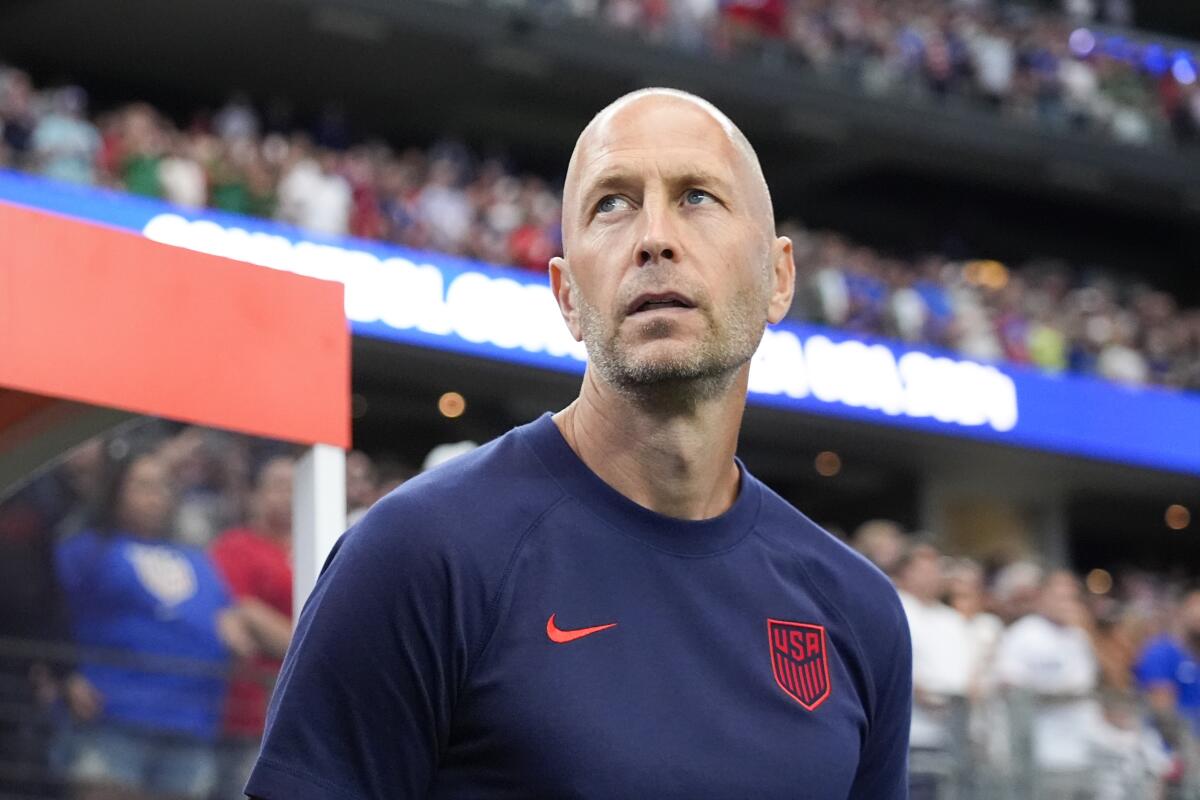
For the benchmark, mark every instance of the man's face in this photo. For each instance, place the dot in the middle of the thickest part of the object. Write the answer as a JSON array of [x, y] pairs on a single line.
[[671, 269], [1060, 599], [923, 576], [274, 492]]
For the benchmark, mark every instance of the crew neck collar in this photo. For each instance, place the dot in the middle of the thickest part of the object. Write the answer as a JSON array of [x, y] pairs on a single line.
[[680, 536]]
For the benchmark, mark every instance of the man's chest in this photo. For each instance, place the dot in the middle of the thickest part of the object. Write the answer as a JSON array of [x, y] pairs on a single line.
[[665, 678]]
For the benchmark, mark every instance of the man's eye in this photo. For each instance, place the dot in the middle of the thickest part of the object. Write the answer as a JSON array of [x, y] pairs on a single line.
[[611, 203], [697, 197]]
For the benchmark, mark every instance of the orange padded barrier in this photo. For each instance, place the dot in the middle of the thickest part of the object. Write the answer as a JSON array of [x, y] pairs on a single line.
[[109, 318]]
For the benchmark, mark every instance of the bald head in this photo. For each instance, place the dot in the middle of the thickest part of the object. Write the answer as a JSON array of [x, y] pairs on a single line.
[[667, 117], [671, 268]]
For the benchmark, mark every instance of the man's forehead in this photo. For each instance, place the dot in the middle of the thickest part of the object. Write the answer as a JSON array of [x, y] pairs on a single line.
[[673, 135], [655, 126]]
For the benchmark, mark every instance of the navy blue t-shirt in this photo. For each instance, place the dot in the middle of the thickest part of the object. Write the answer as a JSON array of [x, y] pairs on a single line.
[[510, 626]]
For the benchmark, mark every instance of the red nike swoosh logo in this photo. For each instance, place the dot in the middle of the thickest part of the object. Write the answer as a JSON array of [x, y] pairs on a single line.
[[557, 634]]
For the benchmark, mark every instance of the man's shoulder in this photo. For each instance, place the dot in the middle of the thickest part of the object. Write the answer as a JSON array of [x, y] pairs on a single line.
[[838, 568], [479, 503], [852, 586]]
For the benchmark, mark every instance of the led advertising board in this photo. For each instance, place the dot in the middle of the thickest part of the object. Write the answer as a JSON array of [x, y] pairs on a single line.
[[442, 302]]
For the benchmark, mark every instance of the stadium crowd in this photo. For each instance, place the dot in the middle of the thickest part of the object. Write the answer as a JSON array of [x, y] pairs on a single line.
[[1027, 685], [145, 603], [448, 199], [1043, 66], [145, 606]]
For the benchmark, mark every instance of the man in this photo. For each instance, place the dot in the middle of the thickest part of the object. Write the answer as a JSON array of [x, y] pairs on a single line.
[[256, 563], [1168, 671], [942, 669], [1048, 657], [881, 541], [605, 603]]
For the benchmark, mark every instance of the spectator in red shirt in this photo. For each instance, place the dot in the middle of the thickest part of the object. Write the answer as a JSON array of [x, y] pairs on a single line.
[[256, 562]]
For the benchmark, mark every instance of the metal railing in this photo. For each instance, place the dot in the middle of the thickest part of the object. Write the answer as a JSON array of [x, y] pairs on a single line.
[[988, 751], [36, 726], [992, 751]]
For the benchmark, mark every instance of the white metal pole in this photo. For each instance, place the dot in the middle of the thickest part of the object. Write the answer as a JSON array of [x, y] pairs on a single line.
[[318, 516]]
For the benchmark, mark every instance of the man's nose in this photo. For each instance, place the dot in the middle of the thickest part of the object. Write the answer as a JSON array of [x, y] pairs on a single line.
[[659, 241]]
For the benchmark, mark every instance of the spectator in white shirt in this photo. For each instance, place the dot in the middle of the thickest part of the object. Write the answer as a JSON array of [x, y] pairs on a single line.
[[1015, 590], [966, 595], [182, 177], [965, 591], [315, 196], [995, 63], [942, 669], [1049, 655]]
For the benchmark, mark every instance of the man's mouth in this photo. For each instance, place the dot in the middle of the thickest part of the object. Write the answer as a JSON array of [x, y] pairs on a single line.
[[659, 301]]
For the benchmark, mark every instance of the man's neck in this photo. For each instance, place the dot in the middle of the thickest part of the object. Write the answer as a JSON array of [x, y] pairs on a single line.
[[673, 458]]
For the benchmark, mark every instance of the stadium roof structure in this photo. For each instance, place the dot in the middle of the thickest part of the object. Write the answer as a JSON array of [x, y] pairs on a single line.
[[98, 325]]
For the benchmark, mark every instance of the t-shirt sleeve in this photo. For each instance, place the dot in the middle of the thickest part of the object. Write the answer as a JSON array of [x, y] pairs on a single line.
[[1157, 665], [363, 703], [883, 764]]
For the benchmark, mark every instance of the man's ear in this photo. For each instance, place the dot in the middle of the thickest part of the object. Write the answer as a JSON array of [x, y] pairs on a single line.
[[564, 292], [783, 279]]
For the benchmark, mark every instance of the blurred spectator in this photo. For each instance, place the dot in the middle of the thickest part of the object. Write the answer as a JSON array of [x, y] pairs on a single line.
[[1015, 590], [17, 116], [181, 172], [368, 481], [391, 474], [994, 60], [211, 472], [445, 206], [1127, 756], [255, 561], [881, 541], [314, 195], [1048, 655], [65, 144], [154, 622], [32, 613], [361, 485], [966, 594], [1168, 671], [237, 120], [942, 666], [140, 147]]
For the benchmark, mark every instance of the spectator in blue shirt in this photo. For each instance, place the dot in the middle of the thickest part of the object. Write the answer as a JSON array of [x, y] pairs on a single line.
[[1168, 670], [153, 622]]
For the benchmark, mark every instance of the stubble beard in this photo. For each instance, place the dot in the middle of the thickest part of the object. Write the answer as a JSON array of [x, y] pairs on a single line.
[[702, 371]]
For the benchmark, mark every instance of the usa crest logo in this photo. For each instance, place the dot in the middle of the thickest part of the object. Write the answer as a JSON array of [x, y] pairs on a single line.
[[800, 660]]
